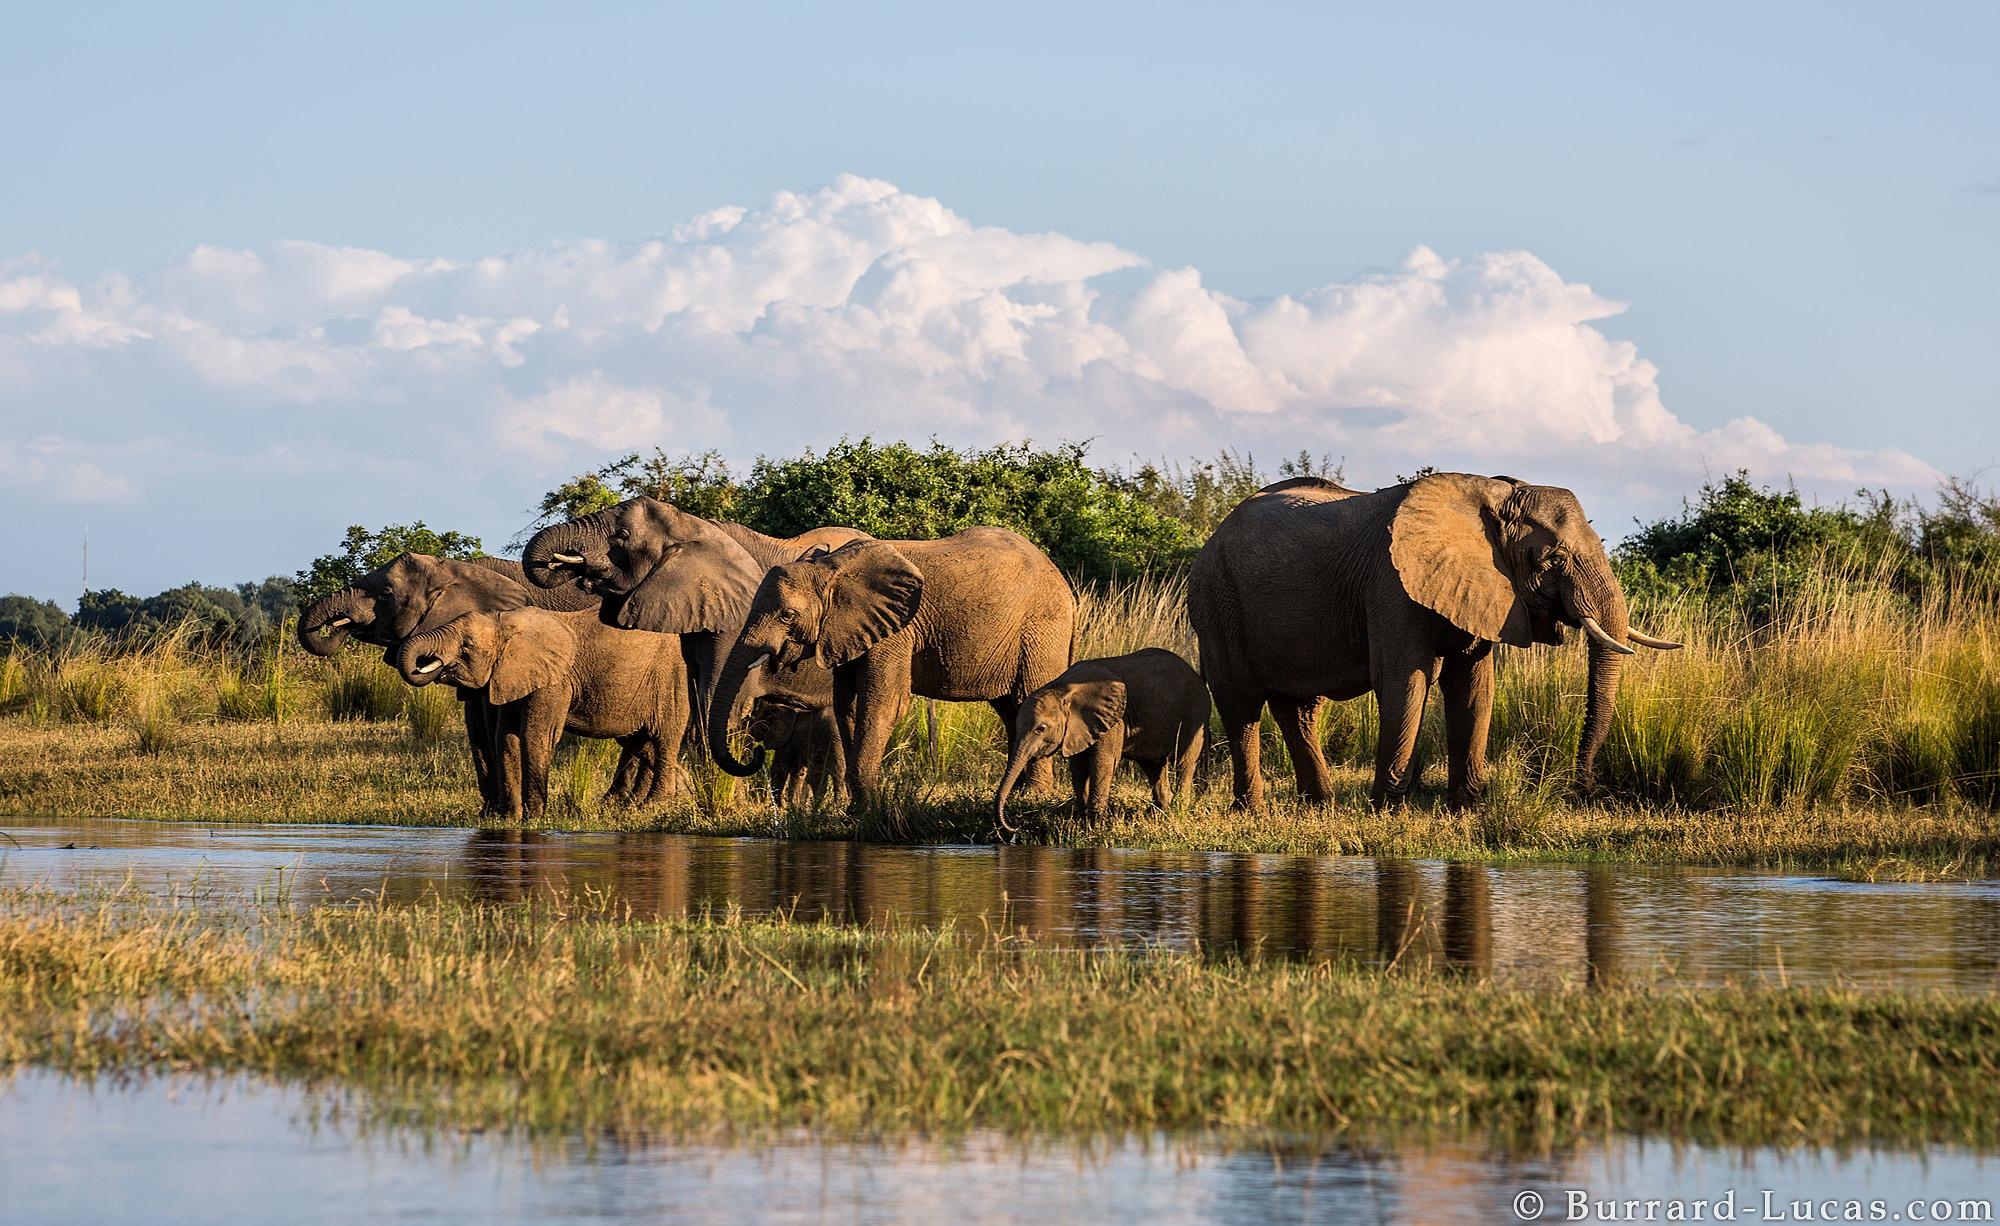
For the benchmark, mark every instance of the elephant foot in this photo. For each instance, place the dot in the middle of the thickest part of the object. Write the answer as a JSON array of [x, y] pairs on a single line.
[[1465, 800], [1390, 802]]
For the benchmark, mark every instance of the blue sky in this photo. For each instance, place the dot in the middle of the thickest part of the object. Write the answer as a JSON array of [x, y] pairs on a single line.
[[1798, 204]]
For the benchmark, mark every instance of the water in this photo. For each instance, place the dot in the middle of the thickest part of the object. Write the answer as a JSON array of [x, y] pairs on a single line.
[[186, 1151], [1531, 924]]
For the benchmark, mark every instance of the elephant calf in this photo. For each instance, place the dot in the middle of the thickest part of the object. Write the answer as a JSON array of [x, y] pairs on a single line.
[[545, 673], [804, 747], [1150, 707]]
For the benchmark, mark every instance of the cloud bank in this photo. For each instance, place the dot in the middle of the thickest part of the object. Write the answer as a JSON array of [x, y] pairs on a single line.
[[324, 385]]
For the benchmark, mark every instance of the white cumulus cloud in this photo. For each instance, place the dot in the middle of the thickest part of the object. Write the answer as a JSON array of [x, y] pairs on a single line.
[[339, 385]]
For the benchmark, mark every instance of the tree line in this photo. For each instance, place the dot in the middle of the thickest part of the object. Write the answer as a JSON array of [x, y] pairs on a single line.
[[1733, 539]]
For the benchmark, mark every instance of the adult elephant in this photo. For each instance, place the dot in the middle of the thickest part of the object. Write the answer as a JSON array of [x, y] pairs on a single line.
[[660, 568], [980, 616], [1309, 591], [416, 592]]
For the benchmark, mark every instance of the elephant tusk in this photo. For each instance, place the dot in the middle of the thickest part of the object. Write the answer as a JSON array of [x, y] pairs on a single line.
[[338, 622], [566, 559], [1647, 640], [761, 661], [430, 668], [1596, 631]]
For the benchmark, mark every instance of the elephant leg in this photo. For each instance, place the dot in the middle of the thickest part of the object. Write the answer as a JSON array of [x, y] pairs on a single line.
[[669, 730], [1467, 686], [479, 738], [625, 780], [541, 728], [1104, 758], [875, 691], [1400, 692], [1299, 722], [1240, 720], [1188, 760], [508, 766], [1080, 779], [1163, 789]]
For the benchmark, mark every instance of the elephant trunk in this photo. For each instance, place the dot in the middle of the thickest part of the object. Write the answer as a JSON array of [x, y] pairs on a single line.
[[723, 702], [418, 657], [323, 627], [556, 555], [1025, 752], [1602, 600]]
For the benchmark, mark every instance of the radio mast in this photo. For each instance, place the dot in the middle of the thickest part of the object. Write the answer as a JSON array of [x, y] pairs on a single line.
[[86, 559]]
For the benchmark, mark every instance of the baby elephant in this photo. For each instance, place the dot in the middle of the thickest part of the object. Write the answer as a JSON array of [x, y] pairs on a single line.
[[804, 745], [546, 673], [1149, 706]]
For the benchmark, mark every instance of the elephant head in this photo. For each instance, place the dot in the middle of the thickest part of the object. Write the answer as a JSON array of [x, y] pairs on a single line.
[[829, 607], [659, 567], [411, 592], [1063, 717], [509, 655], [1508, 562], [774, 720]]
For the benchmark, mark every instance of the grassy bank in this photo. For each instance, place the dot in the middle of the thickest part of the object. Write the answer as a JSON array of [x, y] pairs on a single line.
[[379, 773], [1856, 732], [483, 1016]]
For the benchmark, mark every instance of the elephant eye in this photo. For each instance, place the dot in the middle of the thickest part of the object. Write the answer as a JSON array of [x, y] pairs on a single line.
[[788, 615], [621, 534]]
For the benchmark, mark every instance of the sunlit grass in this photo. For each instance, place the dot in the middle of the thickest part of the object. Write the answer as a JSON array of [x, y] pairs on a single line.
[[578, 1018], [1854, 732]]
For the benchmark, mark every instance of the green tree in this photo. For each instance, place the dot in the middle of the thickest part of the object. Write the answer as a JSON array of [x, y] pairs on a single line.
[[363, 551], [1092, 527], [33, 623]]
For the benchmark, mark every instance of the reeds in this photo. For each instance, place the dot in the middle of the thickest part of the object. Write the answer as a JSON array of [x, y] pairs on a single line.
[[464, 1015]]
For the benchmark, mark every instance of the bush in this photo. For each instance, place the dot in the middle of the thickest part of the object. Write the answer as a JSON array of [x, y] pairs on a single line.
[[362, 551]]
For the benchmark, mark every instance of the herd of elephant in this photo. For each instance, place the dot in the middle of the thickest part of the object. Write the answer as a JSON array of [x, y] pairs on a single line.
[[648, 625]]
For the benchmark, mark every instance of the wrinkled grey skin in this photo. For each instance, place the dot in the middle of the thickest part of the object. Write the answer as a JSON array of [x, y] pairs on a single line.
[[1149, 707], [659, 568], [981, 616], [545, 673], [414, 592], [1309, 591], [804, 746]]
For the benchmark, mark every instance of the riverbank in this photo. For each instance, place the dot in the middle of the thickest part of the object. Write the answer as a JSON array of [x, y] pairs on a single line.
[[480, 1016], [383, 773]]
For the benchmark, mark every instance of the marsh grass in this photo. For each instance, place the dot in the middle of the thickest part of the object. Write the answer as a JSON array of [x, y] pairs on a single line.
[[1852, 731], [477, 1016]]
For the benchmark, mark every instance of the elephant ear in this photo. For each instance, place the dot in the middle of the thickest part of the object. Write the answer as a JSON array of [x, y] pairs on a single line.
[[535, 650], [874, 593], [700, 585], [1094, 707], [1445, 545]]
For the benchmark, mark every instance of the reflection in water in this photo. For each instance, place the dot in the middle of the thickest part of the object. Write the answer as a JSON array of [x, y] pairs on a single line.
[[1595, 925], [177, 1151]]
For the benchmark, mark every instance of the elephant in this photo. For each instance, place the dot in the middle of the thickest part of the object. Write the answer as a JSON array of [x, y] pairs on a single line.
[[660, 568], [804, 745], [979, 616], [1308, 591], [413, 592], [545, 673], [1149, 707]]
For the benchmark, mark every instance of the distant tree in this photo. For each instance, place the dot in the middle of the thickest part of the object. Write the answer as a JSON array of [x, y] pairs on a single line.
[[1090, 526], [1200, 493], [33, 623], [109, 611], [363, 551]]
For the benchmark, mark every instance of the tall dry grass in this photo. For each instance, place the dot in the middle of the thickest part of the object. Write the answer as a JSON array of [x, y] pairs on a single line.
[[1851, 693]]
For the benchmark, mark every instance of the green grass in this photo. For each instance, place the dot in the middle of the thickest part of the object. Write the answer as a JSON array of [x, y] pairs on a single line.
[[542, 1019]]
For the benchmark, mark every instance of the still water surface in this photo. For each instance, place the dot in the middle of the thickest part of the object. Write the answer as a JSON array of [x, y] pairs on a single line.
[[1535, 923], [169, 1152]]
